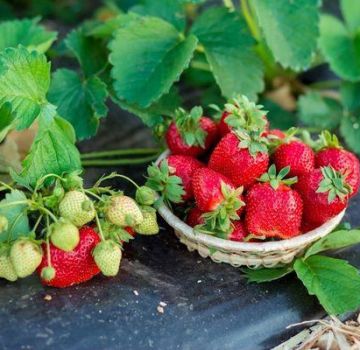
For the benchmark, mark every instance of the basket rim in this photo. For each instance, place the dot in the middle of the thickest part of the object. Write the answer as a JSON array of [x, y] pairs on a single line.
[[224, 244]]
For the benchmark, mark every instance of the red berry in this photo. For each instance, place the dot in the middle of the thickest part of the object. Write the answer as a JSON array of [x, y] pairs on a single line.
[[295, 154], [236, 163], [184, 167], [238, 233], [178, 145], [194, 218], [343, 161], [72, 267], [324, 193], [273, 212]]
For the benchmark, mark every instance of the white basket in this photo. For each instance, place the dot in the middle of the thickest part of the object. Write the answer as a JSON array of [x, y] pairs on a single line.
[[254, 255]]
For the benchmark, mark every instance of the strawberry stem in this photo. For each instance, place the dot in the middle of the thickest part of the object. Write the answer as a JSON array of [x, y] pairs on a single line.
[[99, 227], [94, 195], [120, 152], [115, 175]]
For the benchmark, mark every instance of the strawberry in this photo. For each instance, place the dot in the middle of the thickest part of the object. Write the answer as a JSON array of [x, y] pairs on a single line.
[[72, 267], [217, 197], [325, 194], [7, 270], [107, 255], [273, 209], [191, 133], [77, 208], [295, 154], [194, 217], [240, 112], [241, 157], [149, 225], [145, 196], [48, 273], [25, 256], [64, 235], [162, 179], [123, 211], [331, 153], [184, 167], [238, 233]]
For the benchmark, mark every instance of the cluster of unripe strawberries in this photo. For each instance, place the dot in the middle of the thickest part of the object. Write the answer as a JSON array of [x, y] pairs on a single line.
[[77, 233], [239, 179]]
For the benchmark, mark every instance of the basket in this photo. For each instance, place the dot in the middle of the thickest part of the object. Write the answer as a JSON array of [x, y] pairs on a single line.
[[253, 255]]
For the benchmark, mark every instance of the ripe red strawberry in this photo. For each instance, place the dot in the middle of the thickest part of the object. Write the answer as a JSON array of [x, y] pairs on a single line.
[[295, 154], [72, 267], [217, 197], [325, 194], [238, 233], [341, 160], [191, 133], [273, 209], [184, 167], [240, 112], [241, 160], [194, 218]]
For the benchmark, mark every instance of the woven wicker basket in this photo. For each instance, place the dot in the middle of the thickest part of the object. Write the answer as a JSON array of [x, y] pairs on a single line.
[[254, 255]]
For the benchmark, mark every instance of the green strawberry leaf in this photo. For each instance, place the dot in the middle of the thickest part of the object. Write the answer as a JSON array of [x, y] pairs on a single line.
[[319, 111], [350, 93], [90, 52], [156, 55], [6, 120], [334, 282], [351, 12], [154, 114], [350, 131], [229, 49], [18, 222], [26, 32], [335, 240], [169, 10], [281, 21], [267, 274], [340, 47], [53, 152], [89, 96], [24, 82]]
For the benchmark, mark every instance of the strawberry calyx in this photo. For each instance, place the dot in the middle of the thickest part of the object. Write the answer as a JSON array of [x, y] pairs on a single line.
[[275, 141], [219, 220], [188, 125], [162, 179], [275, 180], [245, 115], [252, 140], [327, 140], [334, 183]]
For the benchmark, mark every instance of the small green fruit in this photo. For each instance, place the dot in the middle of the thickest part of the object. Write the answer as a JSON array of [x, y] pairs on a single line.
[[64, 235], [25, 256], [7, 270], [149, 225], [145, 195], [107, 255], [123, 211], [48, 273], [77, 208]]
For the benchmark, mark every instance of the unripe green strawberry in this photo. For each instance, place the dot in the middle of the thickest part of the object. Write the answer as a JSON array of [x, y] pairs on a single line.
[[123, 211], [77, 208], [145, 195], [107, 255], [25, 256], [149, 225], [4, 223], [7, 270], [48, 273], [64, 235]]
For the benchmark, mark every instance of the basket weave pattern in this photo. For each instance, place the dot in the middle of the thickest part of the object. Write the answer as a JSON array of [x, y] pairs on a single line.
[[253, 255]]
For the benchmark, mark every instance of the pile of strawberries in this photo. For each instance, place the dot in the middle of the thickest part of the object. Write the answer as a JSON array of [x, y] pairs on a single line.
[[239, 179]]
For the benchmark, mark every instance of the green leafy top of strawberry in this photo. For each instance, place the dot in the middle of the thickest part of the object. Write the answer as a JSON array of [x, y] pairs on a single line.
[[188, 125], [327, 140], [219, 220], [116, 233], [161, 179], [276, 179], [245, 115], [334, 184], [252, 140]]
